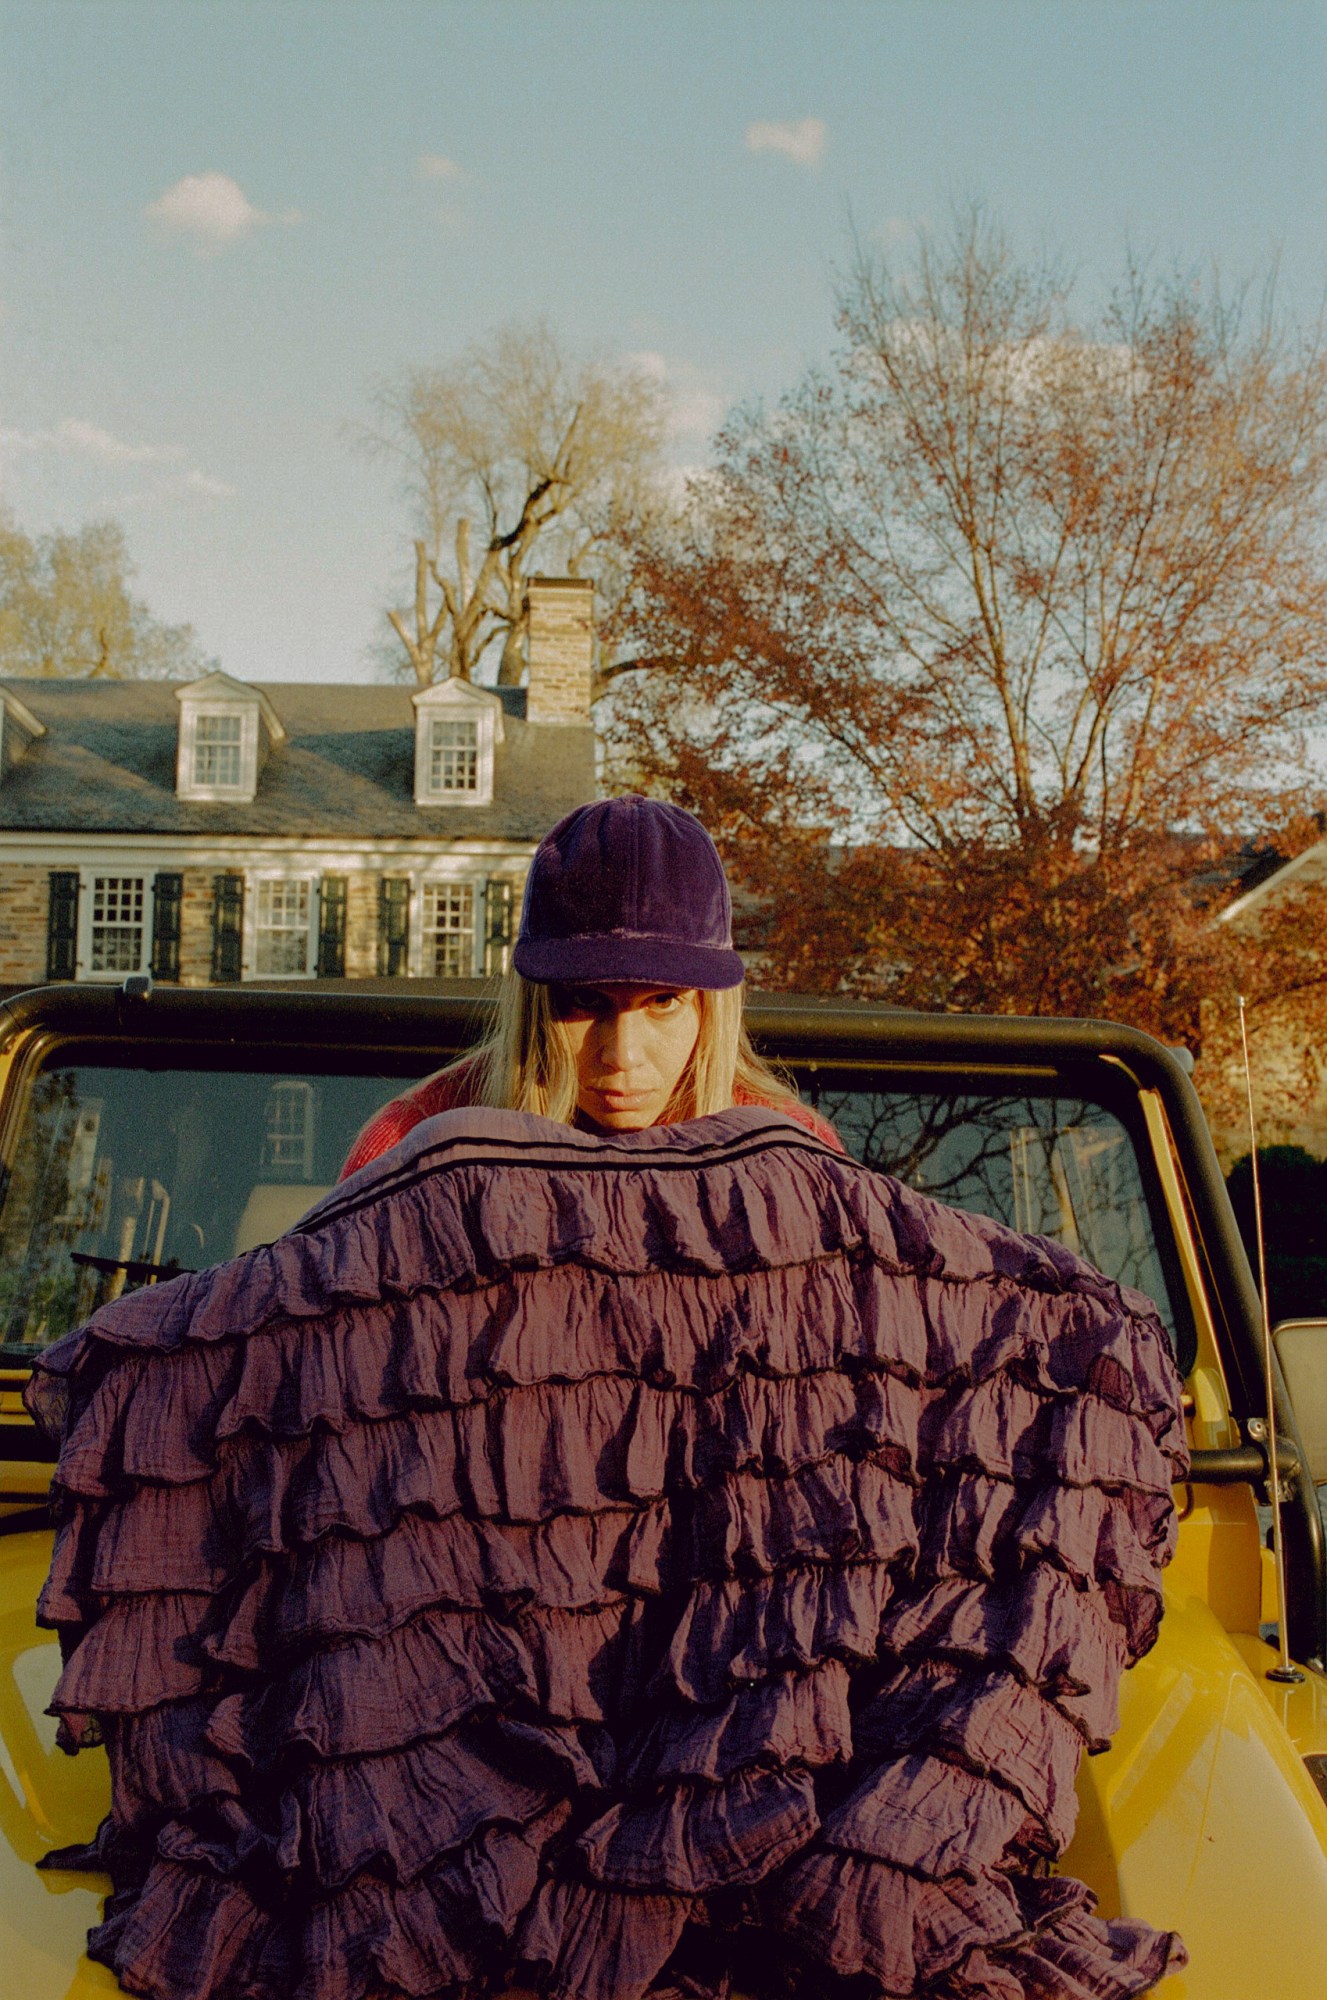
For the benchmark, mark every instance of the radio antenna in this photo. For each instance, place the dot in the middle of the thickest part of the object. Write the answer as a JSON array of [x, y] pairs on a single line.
[[1284, 1670]]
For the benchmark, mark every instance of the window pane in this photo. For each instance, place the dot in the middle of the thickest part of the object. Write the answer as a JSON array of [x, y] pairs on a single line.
[[281, 942], [454, 757], [449, 930], [217, 750], [288, 1130], [117, 923], [124, 1176], [1046, 1165]]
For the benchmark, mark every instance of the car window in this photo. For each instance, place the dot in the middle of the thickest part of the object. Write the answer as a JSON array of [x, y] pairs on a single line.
[[1046, 1164], [123, 1176]]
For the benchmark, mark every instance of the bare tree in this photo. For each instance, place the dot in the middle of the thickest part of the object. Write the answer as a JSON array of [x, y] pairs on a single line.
[[510, 454], [66, 609], [995, 635]]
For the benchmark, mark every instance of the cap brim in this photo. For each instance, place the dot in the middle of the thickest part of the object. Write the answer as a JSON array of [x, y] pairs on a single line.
[[632, 961]]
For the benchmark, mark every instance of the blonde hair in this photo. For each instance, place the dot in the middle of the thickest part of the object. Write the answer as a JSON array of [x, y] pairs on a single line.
[[526, 1063]]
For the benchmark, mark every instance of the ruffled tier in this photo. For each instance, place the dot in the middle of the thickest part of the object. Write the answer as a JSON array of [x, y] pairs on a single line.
[[586, 1561]]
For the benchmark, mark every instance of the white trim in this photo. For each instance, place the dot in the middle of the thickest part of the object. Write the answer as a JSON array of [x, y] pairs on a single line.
[[255, 879], [18, 728], [187, 786], [438, 879], [21, 713], [87, 880], [461, 701], [1278, 880], [327, 855], [225, 688], [214, 696]]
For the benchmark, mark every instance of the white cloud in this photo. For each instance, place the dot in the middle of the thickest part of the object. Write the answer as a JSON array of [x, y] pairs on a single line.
[[87, 440], [696, 413], [73, 437], [695, 406], [680, 479], [437, 167], [212, 210], [802, 140], [203, 485]]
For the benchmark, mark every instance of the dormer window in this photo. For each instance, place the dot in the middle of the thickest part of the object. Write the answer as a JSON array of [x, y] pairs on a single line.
[[453, 756], [457, 727], [219, 751], [226, 731]]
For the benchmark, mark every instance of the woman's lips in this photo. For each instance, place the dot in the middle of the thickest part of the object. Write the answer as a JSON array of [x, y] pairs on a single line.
[[619, 1100]]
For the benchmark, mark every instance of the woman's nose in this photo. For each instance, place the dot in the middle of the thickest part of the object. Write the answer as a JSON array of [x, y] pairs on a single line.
[[620, 1040]]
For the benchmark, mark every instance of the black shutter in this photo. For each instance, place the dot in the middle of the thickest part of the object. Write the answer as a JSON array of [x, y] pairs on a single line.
[[499, 912], [227, 929], [393, 926], [62, 925], [332, 927], [167, 897]]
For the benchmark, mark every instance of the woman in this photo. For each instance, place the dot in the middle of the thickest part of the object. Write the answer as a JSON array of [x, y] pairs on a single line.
[[615, 1543], [624, 1005]]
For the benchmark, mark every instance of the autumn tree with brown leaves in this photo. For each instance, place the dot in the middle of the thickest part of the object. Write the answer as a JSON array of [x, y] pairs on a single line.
[[513, 457], [985, 650]]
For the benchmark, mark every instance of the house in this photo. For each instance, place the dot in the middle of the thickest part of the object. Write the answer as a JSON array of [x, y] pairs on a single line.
[[219, 830], [1284, 906]]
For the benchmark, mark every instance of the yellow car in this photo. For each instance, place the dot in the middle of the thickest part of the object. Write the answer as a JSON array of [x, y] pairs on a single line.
[[145, 1132]]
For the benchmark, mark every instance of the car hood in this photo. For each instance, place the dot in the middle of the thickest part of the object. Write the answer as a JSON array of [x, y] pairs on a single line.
[[1201, 1816]]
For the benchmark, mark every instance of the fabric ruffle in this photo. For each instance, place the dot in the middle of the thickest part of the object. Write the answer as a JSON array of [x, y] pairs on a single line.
[[590, 1560]]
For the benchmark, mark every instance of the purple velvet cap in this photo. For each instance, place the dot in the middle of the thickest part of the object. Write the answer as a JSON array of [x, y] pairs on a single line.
[[628, 889]]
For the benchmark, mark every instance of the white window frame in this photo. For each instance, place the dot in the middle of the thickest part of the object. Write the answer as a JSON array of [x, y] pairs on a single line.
[[298, 1166], [208, 739], [426, 887], [438, 753], [87, 894], [256, 880], [456, 701], [192, 713]]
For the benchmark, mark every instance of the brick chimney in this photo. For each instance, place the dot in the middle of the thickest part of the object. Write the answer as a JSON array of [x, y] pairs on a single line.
[[559, 648]]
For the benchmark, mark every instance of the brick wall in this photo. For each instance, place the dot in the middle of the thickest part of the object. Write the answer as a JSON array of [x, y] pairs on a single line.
[[24, 907]]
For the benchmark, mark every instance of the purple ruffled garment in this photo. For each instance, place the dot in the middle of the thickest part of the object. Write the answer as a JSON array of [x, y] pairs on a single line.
[[626, 1565]]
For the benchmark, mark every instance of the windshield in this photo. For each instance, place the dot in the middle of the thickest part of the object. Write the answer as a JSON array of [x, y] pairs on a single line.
[[1046, 1164], [124, 1176]]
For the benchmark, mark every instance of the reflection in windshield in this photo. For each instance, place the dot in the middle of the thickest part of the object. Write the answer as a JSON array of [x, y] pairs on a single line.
[[124, 1176], [1048, 1166]]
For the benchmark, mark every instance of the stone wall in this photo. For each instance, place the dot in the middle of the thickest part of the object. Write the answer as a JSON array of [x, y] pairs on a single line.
[[362, 926], [196, 927], [24, 908], [560, 649]]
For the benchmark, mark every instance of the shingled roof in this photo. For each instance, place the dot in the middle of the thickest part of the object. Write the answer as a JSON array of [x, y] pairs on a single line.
[[106, 764]]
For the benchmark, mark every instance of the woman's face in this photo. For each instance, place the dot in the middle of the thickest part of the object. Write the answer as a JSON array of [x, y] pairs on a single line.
[[631, 1045]]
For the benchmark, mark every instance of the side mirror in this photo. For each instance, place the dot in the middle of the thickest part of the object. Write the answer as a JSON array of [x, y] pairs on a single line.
[[1301, 1349]]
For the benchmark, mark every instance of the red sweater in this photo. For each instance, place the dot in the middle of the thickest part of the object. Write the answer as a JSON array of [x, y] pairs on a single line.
[[454, 1088]]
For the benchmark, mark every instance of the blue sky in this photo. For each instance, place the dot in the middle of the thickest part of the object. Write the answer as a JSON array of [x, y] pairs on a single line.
[[219, 222]]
